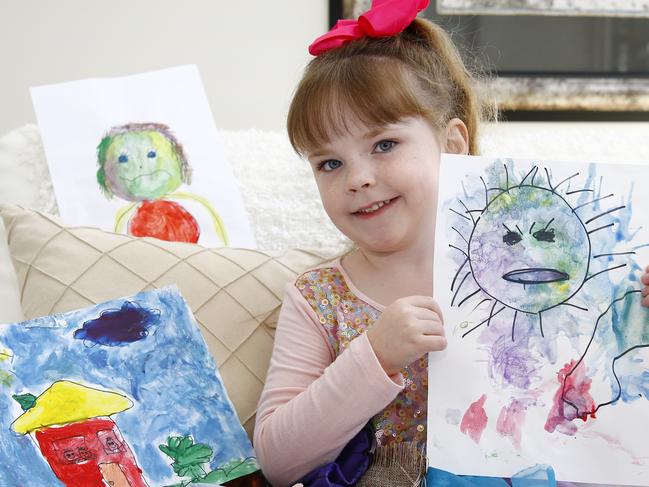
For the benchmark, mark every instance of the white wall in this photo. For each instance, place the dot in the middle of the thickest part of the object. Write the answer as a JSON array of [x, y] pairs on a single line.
[[250, 52]]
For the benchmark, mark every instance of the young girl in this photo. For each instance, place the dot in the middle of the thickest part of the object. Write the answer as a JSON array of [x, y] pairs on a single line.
[[372, 114]]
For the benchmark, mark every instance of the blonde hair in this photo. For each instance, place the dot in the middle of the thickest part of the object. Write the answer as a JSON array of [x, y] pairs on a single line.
[[382, 80]]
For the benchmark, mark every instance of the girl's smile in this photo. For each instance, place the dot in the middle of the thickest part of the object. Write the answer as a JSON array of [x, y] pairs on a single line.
[[375, 209]]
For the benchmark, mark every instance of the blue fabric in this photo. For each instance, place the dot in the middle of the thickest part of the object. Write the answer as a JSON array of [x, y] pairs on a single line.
[[536, 476]]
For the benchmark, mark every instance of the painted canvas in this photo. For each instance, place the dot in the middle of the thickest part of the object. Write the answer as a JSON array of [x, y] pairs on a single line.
[[141, 155], [123, 393], [537, 268]]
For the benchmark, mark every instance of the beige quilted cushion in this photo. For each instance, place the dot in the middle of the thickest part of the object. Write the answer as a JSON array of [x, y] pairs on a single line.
[[234, 293]]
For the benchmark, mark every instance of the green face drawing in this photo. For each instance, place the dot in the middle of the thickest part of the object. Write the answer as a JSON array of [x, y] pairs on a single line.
[[529, 250], [142, 165]]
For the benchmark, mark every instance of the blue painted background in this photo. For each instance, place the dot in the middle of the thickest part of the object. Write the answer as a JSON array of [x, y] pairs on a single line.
[[168, 374]]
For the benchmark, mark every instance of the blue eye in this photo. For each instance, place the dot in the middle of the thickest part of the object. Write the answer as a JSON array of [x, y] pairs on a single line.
[[123, 158], [151, 154], [330, 165], [385, 145]]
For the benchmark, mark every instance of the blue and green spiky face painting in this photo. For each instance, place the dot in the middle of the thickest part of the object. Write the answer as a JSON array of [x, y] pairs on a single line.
[[142, 165], [529, 250]]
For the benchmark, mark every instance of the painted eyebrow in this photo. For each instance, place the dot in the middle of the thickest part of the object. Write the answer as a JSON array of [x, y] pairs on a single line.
[[517, 228]]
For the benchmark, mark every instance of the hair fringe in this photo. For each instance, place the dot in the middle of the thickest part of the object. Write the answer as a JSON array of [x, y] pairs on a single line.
[[429, 79]]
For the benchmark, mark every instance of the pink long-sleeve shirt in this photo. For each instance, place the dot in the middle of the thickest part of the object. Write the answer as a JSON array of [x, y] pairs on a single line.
[[318, 395]]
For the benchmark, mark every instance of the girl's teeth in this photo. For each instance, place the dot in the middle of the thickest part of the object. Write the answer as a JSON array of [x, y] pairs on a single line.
[[375, 206]]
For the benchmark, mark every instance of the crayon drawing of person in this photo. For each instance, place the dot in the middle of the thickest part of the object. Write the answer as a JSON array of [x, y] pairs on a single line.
[[145, 164]]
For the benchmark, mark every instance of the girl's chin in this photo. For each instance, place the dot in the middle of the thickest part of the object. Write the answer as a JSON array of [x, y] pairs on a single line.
[[381, 246]]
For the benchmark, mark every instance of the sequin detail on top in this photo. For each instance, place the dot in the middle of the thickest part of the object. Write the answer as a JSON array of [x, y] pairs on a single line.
[[344, 316]]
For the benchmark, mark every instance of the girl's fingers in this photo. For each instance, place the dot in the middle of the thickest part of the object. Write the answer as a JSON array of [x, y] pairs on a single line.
[[645, 278], [434, 343], [426, 314], [645, 291], [426, 302], [432, 327]]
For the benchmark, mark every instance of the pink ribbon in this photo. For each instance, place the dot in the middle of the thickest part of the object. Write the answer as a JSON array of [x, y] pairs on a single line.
[[385, 18]]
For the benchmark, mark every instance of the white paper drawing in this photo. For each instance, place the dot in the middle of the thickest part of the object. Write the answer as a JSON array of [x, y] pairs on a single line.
[[141, 155], [537, 268]]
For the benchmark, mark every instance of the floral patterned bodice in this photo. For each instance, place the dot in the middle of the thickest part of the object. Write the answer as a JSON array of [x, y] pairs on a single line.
[[344, 316]]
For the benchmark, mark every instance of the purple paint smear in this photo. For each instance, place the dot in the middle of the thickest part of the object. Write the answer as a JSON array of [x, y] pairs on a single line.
[[511, 363], [119, 327]]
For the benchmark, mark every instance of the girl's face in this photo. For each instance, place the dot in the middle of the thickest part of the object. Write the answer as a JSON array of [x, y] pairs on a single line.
[[379, 184]]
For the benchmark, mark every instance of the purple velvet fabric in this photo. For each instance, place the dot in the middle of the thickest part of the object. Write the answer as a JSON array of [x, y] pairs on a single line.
[[350, 465]]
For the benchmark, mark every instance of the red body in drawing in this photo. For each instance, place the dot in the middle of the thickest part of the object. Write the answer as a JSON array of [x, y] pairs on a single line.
[[165, 220], [90, 453]]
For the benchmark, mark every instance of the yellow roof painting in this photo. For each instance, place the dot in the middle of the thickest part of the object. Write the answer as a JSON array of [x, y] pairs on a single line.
[[67, 402]]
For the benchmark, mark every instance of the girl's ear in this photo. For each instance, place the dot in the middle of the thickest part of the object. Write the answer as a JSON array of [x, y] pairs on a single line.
[[456, 140]]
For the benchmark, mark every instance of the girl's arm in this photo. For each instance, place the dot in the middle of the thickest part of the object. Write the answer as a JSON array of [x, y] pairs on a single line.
[[312, 405]]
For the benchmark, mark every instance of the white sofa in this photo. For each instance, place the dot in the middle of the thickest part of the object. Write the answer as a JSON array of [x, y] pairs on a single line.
[[285, 211], [281, 199]]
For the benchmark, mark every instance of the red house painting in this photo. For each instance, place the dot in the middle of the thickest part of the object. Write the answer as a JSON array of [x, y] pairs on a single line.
[[72, 426]]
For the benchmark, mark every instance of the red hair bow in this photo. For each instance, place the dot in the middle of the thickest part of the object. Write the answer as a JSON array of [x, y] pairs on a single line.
[[386, 18]]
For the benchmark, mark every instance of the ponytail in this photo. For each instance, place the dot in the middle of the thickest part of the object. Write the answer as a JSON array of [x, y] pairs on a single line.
[[441, 64]]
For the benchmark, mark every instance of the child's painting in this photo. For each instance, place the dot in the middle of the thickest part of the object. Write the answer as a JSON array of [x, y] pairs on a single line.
[[537, 268], [141, 155], [124, 393]]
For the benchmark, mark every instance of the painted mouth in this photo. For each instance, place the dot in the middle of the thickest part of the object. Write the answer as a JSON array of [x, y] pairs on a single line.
[[150, 175], [535, 276], [374, 208]]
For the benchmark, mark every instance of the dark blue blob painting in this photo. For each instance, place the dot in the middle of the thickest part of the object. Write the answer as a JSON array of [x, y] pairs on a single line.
[[119, 327]]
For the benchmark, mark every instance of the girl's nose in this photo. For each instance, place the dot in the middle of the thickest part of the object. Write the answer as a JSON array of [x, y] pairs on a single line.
[[360, 175]]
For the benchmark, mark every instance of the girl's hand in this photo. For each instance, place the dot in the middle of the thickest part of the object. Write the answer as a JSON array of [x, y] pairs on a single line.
[[407, 329], [645, 289]]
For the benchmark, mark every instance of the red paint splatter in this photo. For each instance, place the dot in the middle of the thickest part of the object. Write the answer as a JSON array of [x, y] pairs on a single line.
[[165, 220], [510, 421], [572, 400], [474, 420]]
